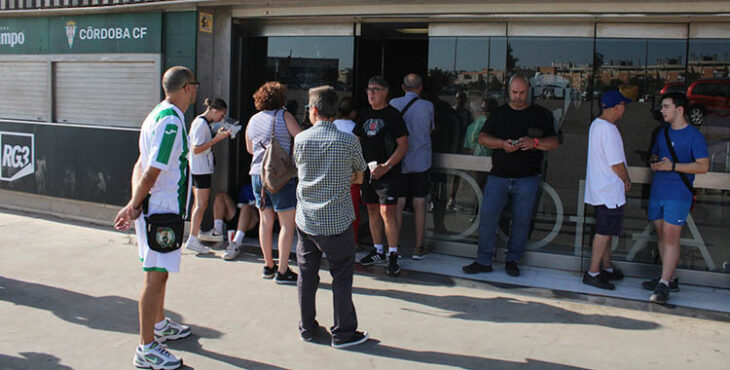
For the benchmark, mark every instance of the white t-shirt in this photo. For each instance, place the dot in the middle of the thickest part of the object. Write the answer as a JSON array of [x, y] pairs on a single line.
[[345, 125], [605, 149], [203, 162], [163, 144]]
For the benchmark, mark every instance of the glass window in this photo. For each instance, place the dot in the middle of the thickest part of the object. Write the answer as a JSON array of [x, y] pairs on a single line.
[[305, 62]]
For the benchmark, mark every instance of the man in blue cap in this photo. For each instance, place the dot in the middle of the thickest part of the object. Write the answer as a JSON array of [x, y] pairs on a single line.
[[607, 181]]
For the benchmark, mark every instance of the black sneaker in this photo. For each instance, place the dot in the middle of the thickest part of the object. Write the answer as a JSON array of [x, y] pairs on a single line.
[[372, 258], [597, 281], [308, 335], [269, 272], [393, 268], [359, 337], [476, 268], [512, 269], [289, 277], [615, 275], [651, 285], [661, 294]]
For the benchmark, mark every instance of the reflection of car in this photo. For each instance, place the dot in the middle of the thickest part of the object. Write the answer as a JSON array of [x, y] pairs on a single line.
[[673, 87], [707, 96]]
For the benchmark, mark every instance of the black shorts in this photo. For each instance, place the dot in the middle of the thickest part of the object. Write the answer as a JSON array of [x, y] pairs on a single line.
[[202, 181], [609, 221], [384, 191], [232, 224], [415, 184]]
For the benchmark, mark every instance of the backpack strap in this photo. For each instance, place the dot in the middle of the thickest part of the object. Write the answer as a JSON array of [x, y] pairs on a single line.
[[405, 109], [683, 176]]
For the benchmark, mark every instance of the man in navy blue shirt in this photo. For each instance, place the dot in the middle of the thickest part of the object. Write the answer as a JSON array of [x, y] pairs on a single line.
[[671, 189]]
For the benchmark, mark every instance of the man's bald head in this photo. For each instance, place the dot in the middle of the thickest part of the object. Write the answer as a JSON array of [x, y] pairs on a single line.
[[175, 79], [412, 82]]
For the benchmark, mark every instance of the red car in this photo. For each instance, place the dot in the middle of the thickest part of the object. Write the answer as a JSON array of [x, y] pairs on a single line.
[[708, 96]]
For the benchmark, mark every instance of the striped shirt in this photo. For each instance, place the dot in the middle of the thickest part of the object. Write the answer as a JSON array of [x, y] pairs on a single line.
[[326, 159], [258, 132], [163, 144]]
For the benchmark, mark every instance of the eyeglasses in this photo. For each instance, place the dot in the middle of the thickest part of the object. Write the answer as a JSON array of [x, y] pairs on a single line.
[[376, 89]]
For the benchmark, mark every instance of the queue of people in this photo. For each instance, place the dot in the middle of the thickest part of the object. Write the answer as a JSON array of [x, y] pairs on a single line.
[[380, 156]]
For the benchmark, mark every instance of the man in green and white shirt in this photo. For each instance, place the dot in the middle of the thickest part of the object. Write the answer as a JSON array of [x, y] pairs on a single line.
[[160, 175]]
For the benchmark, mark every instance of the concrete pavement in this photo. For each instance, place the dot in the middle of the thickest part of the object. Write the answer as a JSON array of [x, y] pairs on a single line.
[[68, 299]]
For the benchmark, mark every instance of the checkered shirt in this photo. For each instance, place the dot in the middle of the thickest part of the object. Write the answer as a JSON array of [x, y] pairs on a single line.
[[326, 158]]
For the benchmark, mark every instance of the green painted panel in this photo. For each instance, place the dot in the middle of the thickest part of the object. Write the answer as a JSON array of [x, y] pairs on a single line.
[[23, 35], [179, 44]]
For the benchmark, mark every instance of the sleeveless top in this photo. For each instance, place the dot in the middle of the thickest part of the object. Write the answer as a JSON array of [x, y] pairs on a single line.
[[259, 132]]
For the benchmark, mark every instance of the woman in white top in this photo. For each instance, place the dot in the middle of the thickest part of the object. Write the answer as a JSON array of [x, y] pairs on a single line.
[[202, 162], [269, 99]]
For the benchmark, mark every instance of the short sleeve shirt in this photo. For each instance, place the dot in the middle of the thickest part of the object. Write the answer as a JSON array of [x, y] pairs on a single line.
[[419, 122], [200, 133], [326, 159], [507, 123], [605, 149], [163, 144], [690, 145], [378, 131]]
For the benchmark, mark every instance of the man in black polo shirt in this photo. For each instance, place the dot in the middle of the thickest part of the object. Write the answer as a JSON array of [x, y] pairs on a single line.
[[518, 133]]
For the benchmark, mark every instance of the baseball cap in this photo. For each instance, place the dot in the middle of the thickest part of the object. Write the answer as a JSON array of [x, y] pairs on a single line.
[[612, 98]]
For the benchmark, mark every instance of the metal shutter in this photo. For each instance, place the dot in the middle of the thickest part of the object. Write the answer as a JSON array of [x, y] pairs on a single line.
[[105, 93], [24, 92]]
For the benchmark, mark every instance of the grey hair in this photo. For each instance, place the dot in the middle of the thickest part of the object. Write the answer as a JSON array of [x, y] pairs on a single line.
[[175, 78], [412, 81], [519, 77], [378, 80], [324, 98]]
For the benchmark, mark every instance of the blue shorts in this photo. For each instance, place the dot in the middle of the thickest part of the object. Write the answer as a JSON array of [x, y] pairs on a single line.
[[671, 211], [283, 200]]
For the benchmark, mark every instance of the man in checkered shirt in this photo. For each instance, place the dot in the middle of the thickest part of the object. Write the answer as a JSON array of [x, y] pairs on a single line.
[[328, 161]]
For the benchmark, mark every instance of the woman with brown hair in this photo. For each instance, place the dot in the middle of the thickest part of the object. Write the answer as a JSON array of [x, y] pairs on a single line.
[[270, 99]]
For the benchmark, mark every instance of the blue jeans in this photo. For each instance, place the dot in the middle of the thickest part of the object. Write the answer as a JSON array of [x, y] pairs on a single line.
[[521, 193]]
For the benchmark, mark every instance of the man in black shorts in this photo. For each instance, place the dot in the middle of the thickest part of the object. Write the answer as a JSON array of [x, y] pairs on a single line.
[[384, 139], [241, 216]]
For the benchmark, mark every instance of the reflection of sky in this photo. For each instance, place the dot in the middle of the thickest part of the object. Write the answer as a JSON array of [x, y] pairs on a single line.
[[340, 47], [661, 50], [712, 47], [535, 52], [622, 49], [471, 53]]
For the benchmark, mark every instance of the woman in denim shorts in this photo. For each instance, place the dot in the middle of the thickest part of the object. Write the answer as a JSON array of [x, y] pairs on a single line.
[[269, 100]]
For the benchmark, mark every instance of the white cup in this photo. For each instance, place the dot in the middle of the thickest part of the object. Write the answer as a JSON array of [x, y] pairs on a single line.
[[373, 165], [231, 234]]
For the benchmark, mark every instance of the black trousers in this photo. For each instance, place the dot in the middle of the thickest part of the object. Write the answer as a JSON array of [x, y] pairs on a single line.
[[340, 250]]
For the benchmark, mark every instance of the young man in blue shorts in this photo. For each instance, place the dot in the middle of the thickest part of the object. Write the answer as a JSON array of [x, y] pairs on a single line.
[[671, 195]]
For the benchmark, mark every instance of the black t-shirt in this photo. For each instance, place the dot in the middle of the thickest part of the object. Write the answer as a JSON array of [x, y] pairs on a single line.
[[507, 123], [378, 131]]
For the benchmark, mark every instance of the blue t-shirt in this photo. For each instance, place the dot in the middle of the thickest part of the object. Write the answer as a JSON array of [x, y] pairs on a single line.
[[689, 144]]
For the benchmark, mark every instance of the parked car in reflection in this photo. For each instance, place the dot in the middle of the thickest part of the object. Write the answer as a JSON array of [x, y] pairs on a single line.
[[706, 97]]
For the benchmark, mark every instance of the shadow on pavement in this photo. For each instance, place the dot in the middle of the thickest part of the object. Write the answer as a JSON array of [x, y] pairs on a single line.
[[500, 309], [31, 360], [109, 313]]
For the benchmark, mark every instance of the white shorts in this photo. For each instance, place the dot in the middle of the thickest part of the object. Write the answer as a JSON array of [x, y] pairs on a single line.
[[153, 260]]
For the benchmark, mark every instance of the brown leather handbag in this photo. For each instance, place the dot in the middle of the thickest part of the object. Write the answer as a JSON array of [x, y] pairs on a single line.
[[277, 166]]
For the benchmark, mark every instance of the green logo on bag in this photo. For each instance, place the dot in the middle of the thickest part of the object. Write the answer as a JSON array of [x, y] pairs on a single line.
[[165, 237]]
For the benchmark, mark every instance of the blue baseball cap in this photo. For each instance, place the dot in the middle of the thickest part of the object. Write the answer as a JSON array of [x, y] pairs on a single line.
[[612, 98]]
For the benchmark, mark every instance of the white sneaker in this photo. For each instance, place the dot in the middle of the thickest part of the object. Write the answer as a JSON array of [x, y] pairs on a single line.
[[157, 357], [232, 251], [212, 236], [196, 246], [172, 331]]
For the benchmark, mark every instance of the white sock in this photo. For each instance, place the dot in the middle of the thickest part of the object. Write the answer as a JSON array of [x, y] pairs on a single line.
[[160, 324], [392, 249], [379, 248], [593, 274], [238, 239], [609, 270], [664, 282], [146, 347], [192, 238], [218, 226]]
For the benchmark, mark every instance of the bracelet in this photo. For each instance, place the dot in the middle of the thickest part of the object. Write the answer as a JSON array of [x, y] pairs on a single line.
[[535, 143], [674, 166]]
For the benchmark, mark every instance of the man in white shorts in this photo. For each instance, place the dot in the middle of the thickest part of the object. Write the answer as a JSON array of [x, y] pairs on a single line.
[[160, 185]]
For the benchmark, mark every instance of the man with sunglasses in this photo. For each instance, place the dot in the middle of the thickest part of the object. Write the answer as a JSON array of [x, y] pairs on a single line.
[[160, 180], [384, 139]]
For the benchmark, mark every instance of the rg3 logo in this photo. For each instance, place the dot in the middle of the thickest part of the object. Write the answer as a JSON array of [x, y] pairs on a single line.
[[16, 155]]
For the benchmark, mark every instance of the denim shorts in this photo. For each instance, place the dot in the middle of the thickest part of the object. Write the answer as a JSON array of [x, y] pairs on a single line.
[[283, 200], [672, 211]]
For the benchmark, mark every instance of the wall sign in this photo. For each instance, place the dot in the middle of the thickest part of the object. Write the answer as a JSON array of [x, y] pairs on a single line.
[[16, 155], [206, 22]]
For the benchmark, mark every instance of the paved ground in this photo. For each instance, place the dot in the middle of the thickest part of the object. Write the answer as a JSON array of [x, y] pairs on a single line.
[[68, 299]]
